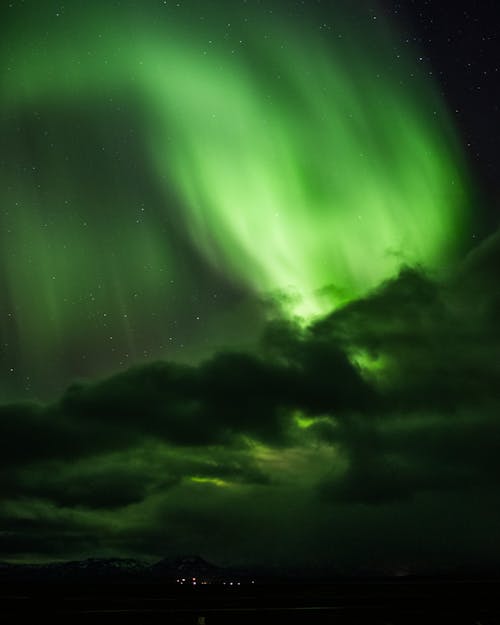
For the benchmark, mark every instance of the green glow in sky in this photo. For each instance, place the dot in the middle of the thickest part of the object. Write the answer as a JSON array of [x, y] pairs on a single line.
[[291, 162], [319, 175]]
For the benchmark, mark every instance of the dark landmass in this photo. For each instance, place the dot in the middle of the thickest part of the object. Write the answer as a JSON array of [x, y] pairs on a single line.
[[196, 571], [131, 591], [181, 570]]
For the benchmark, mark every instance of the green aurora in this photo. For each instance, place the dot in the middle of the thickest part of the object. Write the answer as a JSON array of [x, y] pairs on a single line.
[[293, 166]]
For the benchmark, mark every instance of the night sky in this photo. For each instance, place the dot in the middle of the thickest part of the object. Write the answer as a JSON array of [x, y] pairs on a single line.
[[249, 304]]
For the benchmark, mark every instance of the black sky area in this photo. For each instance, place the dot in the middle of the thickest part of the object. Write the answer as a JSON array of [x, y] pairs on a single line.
[[460, 44]]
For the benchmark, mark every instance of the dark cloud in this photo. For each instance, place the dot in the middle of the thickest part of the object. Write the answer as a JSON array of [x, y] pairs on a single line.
[[230, 395], [389, 405], [31, 433], [436, 353], [437, 428], [395, 458]]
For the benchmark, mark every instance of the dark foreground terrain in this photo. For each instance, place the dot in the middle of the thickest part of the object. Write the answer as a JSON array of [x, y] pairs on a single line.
[[376, 602]]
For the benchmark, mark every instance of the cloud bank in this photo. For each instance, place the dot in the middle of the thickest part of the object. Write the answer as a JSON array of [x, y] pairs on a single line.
[[369, 437]]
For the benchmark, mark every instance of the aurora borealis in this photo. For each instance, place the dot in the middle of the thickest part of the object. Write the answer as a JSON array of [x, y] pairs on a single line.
[[236, 282], [322, 156]]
